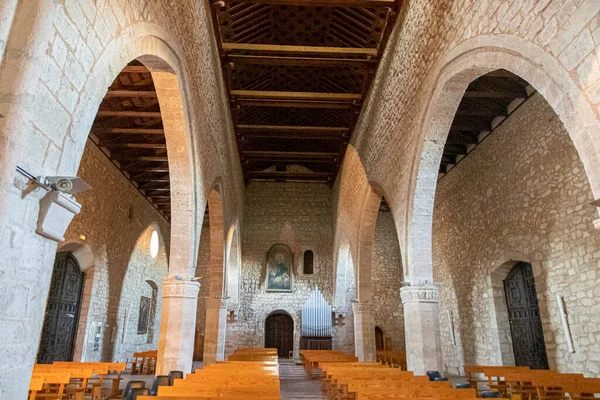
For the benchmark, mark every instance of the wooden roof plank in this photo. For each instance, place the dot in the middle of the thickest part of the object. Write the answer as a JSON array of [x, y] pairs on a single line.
[[273, 48], [328, 3], [277, 95], [299, 61]]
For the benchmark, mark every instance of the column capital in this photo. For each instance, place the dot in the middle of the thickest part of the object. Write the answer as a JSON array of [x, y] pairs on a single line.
[[180, 288], [362, 308], [419, 294]]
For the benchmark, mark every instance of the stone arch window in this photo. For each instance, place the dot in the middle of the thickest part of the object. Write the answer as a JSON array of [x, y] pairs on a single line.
[[309, 257]]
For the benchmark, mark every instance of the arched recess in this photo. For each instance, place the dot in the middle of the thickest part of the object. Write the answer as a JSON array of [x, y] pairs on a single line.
[[233, 269], [366, 236], [462, 65]]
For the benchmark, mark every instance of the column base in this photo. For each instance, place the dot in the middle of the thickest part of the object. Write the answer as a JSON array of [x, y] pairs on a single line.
[[421, 324], [364, 332], [177, 326]]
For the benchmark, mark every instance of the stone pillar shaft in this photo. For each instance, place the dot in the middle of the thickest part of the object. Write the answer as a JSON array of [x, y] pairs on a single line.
[[214, 331], [178, 320], [421, 323], [364, 332]]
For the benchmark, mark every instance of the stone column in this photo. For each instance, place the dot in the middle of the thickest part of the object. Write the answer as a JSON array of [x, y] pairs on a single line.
[[364, 331], [214, 331], [178, 320], [421, 323]]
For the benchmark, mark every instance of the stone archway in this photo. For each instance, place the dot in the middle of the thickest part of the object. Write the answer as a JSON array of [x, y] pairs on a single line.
[[462, 65]]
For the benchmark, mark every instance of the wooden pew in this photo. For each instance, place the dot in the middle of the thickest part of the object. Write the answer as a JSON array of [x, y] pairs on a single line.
[[54, 384], [80, 380], [144, 362], [391, 358], [36, 385], [103, 369]]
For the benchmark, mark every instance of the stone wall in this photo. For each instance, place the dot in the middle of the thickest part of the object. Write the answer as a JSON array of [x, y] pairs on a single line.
[[521, 195], [299, 216], [117, 222], [387, 278]]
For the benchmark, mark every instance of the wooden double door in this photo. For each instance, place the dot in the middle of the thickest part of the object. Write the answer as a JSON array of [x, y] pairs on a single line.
[[524, 316], [279, 333], [62, 311]]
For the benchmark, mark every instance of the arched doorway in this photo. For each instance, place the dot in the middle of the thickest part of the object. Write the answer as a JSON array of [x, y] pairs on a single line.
[[524, 316], [379, 343], [62, 311], [279, 333]]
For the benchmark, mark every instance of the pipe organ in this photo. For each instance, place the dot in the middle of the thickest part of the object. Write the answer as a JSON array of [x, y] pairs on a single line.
[[316, 323]]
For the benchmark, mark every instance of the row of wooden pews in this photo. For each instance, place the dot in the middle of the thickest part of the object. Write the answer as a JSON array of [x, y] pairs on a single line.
[[253, 374], [74, 380], [523, 383], [144, 362], [392, 358], [312, 359], [345, 378]]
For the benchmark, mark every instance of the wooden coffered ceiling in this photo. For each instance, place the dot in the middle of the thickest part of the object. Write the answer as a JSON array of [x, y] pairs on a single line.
[[128, 128], [297, 74], [487, 102]]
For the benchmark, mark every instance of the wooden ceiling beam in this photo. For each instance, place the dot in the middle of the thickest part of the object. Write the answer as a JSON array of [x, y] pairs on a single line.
[[490, 94], [308, 96], [300, 61], [328, 3], [129, 131], [140, 69], [455, 149], [471, 127], [293, 129], [291, 161], [131, 93], [289, 154], [301, 50], [294, 103], [481, 113], [460, 138], [147, 170], [129, 114], [134, 145], [289, 175], [292, 136], [146, 158]]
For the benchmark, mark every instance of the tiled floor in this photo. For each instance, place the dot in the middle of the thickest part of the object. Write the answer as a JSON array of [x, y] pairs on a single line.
[[295, 383]]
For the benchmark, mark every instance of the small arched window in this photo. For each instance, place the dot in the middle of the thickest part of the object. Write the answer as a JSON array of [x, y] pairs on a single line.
[[308, 262]]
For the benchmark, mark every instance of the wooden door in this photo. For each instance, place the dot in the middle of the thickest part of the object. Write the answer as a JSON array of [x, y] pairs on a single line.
[[524, 316], [62, 311], [379, 343], [279, 333]]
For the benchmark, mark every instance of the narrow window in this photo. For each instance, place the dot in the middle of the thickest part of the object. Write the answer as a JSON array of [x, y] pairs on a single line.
[[308, 262]]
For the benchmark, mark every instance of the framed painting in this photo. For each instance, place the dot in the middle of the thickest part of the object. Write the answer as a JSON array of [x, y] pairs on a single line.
[[145, 304], [279, 268]]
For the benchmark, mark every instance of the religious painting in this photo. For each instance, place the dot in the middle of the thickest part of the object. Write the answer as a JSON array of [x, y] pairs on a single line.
[[279, 269], [145, 304]]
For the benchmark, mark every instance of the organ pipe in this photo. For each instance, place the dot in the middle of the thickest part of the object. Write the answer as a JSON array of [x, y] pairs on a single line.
[[316, 316]]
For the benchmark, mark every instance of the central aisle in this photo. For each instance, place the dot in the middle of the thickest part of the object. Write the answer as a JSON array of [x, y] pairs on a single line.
[[295, 383]]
